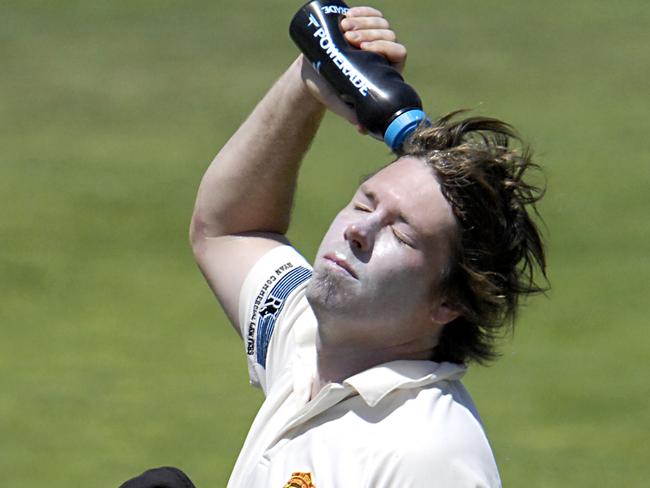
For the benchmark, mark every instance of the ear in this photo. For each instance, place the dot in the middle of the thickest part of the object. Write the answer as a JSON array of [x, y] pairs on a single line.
[[444, 312]]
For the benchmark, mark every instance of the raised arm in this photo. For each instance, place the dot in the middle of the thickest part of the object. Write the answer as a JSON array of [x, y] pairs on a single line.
[[244, 201]]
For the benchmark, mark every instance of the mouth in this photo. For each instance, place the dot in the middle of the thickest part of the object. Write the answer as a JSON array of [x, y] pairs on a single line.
[[339, 261]]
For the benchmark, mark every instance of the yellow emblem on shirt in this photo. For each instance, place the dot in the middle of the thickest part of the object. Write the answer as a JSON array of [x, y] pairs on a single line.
[[300, 480]]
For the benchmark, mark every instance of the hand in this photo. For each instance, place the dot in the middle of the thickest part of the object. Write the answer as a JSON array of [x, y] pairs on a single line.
[[367, 29], [364, 28]]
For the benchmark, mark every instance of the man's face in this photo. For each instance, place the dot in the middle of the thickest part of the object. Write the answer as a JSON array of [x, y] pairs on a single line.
[[378, 268]]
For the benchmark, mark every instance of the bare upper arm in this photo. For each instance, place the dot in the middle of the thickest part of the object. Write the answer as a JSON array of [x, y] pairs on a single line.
[[226, 260]]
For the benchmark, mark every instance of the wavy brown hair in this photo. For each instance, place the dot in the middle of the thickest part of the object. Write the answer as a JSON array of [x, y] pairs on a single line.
[[481, 164]]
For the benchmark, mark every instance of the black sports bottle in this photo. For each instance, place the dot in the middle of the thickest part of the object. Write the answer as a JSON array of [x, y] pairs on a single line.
[[385, 104]]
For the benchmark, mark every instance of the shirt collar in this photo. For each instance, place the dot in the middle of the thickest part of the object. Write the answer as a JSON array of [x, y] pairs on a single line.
[[377, 382]]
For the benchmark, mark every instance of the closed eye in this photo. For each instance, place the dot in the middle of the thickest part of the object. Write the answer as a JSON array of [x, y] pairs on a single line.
[[362, 207], [401, 237]]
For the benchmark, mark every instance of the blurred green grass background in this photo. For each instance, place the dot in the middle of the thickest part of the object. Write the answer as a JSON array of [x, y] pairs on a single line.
[[115, 357]]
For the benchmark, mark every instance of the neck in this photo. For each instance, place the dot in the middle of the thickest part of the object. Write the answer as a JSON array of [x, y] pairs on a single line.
[[338, 361], [334, 365]]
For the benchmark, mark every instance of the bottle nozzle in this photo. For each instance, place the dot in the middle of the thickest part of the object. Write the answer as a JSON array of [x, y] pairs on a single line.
[[402, 126]]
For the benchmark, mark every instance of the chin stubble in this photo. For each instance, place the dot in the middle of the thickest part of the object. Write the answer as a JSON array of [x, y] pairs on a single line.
[[322, 288]]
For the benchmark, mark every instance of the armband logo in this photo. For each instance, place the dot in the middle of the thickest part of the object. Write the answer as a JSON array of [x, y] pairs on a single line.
[[271, 306], [268, 308], [300, 480]]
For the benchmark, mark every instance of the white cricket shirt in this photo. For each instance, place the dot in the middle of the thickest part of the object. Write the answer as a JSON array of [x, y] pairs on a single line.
[[399, 424]]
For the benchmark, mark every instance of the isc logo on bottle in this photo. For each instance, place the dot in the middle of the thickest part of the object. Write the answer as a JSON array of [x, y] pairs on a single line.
[[334, 9]]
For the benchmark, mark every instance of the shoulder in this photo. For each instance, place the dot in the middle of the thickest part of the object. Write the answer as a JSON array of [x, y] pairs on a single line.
[[270, 283], [271, 303], [436, 439]]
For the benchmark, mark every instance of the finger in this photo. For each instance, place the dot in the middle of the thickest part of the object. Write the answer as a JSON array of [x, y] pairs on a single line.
[[324, 93], [394, 52], [333, 103], [357, 23], [363, 12], [358, 37]]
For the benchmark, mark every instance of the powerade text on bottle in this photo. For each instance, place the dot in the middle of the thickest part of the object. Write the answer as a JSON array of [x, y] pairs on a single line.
[[385, 105]]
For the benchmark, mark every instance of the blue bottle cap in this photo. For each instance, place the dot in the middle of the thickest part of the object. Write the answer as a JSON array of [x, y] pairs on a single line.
[[400, 128]]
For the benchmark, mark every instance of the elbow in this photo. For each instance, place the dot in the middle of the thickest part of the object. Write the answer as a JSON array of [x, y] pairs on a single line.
[[197, 234], [204, 230]]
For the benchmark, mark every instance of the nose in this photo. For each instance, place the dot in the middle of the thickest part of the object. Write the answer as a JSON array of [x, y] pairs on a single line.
[[360, 235]]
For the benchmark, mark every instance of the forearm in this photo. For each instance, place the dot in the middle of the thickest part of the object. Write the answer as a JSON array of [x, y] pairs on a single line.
[[250, 184]]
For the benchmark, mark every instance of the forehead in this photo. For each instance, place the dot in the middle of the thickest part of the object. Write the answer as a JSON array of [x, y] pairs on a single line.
[[410, 187]]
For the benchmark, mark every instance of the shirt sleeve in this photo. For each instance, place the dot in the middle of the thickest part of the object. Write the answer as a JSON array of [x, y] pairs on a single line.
[[270, 301]]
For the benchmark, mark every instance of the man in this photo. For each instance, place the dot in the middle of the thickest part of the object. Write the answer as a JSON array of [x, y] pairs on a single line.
[[360, 358]]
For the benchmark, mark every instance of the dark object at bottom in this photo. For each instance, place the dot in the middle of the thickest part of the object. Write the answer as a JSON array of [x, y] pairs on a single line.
[[160, 478]]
